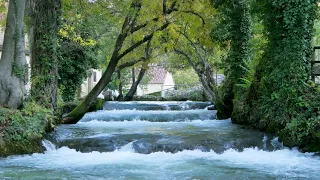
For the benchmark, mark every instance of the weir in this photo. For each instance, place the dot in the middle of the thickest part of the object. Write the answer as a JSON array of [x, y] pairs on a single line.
[[160, 140]]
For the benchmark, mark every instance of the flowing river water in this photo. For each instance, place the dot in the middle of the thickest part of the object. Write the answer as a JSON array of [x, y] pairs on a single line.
[[160, 140]]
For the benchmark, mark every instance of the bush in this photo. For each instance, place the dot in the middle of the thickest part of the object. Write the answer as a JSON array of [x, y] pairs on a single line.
[[192, 94], [149, 98], [21, 131]]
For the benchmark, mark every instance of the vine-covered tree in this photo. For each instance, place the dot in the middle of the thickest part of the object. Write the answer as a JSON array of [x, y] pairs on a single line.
[[238, 28], [280, 99], [44, 22]]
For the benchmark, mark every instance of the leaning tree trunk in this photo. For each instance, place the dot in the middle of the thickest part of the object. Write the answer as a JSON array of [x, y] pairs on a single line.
[[207, 87], [129, 96], [13, 60], [128, 27], [120, 88], [204, 72], [44, 62]]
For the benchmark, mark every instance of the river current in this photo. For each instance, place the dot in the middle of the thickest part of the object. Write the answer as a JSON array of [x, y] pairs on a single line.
[[160, 140]]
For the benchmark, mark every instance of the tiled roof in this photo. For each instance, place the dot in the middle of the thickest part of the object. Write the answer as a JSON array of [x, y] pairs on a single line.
[[158, 74]]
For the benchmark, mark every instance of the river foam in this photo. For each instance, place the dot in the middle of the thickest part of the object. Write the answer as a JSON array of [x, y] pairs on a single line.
[[280, 162]]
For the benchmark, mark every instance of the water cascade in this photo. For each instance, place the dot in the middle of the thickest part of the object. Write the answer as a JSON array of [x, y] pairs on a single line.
[[160, 140]]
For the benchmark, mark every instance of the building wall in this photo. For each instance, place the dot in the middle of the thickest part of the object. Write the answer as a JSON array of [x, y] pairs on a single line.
[[152, 88], [91, 81]]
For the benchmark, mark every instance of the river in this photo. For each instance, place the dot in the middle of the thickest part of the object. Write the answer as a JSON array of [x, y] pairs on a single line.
[[160, 140]]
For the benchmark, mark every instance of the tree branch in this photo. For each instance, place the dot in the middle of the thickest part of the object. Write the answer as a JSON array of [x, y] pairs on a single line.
[[166, 11], [145, 39], [131, 63], [196, 14], [187, 57], [164, 6]]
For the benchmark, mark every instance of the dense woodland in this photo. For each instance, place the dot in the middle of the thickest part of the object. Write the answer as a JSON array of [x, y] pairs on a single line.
[[264, 48]]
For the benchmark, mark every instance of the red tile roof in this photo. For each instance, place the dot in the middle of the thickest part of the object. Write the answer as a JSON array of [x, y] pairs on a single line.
[[158, 74]]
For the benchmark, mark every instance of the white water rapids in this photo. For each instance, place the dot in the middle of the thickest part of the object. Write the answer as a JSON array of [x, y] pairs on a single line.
[[124, 162]]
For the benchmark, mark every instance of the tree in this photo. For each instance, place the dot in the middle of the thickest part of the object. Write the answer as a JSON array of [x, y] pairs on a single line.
[[239, 32], [143, 70], [202, 67], [192, 44], [130, 26], [279, 98], [146, 19], [45, 17], [13, 60]]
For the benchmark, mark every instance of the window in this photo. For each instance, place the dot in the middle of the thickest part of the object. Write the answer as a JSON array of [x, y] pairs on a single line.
[[94, 76]]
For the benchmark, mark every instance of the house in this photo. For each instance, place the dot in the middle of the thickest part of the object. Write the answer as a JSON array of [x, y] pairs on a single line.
[[161, 80], [90, 82]]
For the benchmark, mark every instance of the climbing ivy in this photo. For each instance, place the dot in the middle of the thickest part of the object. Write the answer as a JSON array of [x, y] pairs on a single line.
[[44, 22], [280, 98], [237, 22]]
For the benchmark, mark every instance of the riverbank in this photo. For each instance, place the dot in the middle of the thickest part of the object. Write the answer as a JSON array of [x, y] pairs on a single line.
[[294, 117], [21, 131]]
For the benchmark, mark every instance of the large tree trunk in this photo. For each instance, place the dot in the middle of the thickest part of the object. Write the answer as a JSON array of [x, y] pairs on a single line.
[[44, 62], [13, 60], [129, 96], [240, 31]]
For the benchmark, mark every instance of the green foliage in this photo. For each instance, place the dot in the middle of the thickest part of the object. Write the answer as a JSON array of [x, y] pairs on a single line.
[[84, 38], [156, 94], [235, 17], [3, 11], [192, 94], [22, 131], [186, 78], [74, 64], [19, 71], [279, 99]]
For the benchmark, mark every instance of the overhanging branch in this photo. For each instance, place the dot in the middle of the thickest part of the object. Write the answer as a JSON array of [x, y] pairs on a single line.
[[145, 39]]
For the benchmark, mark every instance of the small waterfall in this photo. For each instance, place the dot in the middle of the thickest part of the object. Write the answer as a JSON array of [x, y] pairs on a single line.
[[167, 107], [184, 105], [49, 146], [127, 148], [276, 144], [160, 140], [152, 116], [265, 140]]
